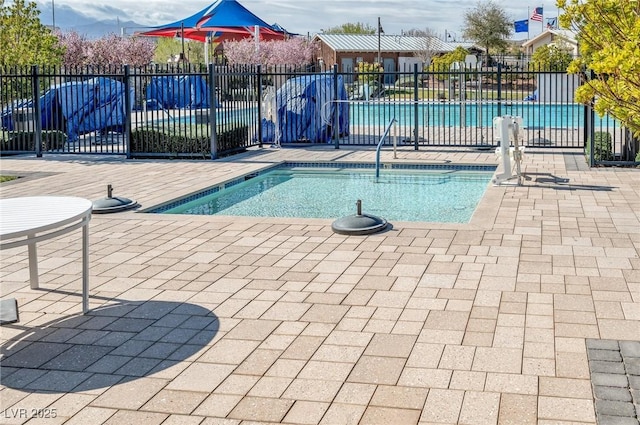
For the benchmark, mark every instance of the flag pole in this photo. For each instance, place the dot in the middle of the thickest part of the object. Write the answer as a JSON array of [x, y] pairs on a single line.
[[528, 17]]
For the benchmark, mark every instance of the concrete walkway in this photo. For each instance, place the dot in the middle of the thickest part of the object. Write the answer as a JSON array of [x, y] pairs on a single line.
[[229, 320]]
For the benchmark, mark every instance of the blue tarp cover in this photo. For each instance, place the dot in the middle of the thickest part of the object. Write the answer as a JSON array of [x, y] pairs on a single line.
[[306, 109], [533, 96], [78, 107], [177, 92]]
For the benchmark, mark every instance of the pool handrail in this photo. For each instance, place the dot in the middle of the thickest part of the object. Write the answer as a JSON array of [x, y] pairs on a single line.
[[145, 110], [384, 136]]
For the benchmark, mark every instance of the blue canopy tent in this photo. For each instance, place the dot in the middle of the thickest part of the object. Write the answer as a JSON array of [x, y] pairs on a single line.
[[276, 26], [223, 19]]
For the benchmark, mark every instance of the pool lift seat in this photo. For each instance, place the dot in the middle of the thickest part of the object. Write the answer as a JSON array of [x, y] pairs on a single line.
[[506, 130]]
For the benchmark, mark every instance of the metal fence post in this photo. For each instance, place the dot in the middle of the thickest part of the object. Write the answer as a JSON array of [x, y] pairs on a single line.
[[260, 112], [415, 106], [212, 112], [499, 94], [592, 134], [336, 111], [37, 115], [128, 111], [589, 125], [585, 133]]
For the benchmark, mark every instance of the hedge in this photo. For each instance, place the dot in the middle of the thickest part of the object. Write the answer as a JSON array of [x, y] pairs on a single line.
[[185, 141], [26, 141]]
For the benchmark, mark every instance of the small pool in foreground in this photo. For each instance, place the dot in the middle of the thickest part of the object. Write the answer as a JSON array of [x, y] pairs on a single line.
[[403, 192]]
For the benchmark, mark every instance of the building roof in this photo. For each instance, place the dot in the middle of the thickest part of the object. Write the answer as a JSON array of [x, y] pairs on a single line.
[[568, 35], [388, 43]]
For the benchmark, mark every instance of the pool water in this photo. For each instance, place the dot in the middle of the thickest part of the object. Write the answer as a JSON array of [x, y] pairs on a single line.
[[448, 196], [533, 114], [241, 115]]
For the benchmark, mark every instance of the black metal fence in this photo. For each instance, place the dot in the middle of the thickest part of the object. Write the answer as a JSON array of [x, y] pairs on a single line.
[[173, 111]]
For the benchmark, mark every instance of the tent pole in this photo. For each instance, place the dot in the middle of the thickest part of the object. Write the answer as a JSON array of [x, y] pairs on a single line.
[[256, 34], [184, 58], [207, 40]]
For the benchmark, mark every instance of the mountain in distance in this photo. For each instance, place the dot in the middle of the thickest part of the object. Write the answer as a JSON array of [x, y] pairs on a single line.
[[67, 19], [98, 29]]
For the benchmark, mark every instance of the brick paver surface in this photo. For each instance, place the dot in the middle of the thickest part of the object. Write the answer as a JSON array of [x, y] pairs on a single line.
[[528, 314]]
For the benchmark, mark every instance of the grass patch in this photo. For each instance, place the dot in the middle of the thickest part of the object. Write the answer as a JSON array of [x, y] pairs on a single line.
[[7, 178]]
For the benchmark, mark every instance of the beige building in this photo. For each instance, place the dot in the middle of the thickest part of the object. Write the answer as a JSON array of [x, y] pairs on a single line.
[[560, 38]]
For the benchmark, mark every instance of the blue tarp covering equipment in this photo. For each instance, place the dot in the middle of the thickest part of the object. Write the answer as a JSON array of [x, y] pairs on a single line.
[[78, 107], [306, 108], [532, 97], [268, 131], [177, 92]]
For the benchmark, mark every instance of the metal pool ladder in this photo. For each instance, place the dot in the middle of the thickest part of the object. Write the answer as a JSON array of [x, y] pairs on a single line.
[[384, 136]]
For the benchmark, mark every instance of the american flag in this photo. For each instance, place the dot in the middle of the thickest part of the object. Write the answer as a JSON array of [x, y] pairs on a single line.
[[537, 14]]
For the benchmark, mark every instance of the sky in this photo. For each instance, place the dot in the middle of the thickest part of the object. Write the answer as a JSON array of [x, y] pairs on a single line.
[[312, 16]]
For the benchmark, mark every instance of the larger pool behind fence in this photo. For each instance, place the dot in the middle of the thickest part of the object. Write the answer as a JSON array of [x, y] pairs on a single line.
[[427, 113], [471, 114]]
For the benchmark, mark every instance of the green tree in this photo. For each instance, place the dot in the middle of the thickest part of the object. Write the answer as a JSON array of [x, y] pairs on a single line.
[[488, 25], [167, 48], [609, 40], [351, 28], [550, 57], [443, 63], [24, 40], [368, 73]]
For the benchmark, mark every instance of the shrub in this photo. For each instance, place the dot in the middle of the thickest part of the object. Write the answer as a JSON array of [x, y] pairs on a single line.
[[368, 73], [442, 64], [233, 140], [187, 141], [20, 141], [550, 58], [602, 147]]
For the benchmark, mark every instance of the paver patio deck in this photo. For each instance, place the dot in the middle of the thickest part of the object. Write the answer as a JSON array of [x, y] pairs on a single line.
[[231, 320]]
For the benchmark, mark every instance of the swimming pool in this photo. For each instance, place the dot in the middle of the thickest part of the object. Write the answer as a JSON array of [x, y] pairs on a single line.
[[447, 114], [223, 115], [473, 114], [403, 192]]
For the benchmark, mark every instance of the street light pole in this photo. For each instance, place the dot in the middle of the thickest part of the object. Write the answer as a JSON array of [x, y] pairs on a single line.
[[379, 32], [53, 15]]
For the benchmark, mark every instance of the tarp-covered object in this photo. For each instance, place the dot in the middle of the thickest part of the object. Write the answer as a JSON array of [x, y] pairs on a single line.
[[177, 92], [306, 108], [78, 107]]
